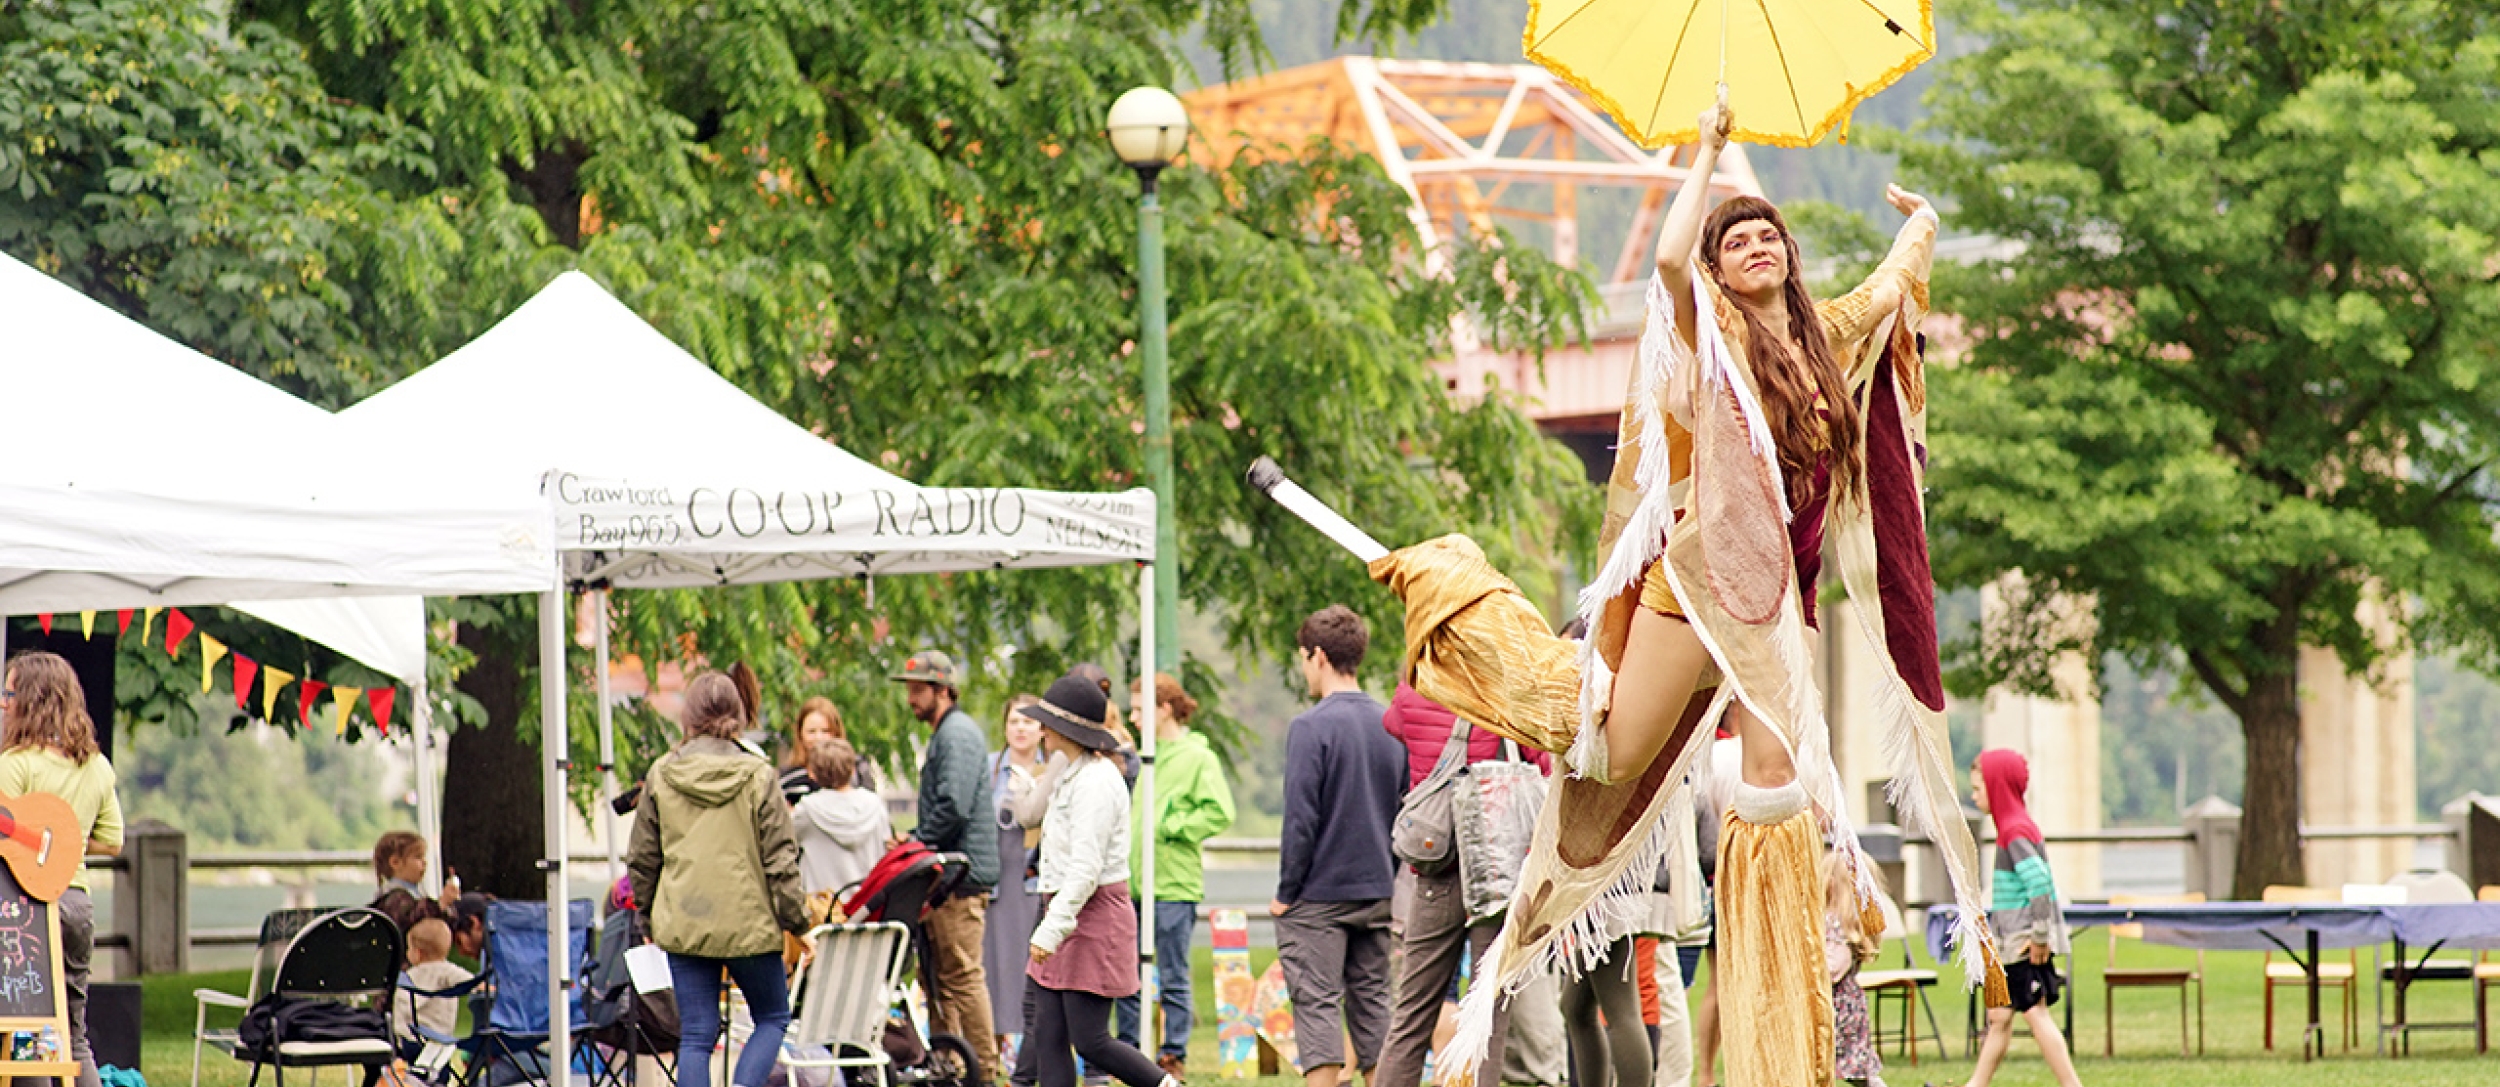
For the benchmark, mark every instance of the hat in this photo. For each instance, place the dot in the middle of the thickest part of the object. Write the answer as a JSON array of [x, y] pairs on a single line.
[[930, 666], [1074, 707]]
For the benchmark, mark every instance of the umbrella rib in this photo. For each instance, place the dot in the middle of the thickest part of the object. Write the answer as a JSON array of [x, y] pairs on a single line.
[[1894, 25], [1659, 101], [1558, 27], [1785, 75]]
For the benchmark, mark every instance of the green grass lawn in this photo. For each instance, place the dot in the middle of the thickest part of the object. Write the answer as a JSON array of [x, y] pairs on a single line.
[[2147, 1024]]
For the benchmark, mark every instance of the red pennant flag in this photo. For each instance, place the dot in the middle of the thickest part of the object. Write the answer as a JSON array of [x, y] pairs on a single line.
[[45, 621], [123, 616], [245, 669], [379, 701], [177, 627], [305, 692]]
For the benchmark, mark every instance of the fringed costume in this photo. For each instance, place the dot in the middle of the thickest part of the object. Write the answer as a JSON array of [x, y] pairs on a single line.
[[1698, 527]]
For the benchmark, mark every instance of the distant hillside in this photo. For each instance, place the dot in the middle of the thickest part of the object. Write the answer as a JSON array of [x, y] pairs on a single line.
[[1302, 31]]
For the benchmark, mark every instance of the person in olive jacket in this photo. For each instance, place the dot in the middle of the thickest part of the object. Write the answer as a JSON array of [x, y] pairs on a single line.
[[715, 872]]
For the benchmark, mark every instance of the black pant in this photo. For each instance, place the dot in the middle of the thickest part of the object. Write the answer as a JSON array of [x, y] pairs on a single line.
[[1619, 1052], [1065, 1020]]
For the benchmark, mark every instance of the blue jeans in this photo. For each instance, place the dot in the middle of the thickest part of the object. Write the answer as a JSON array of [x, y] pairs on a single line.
[[1175, 922], [698, 982]]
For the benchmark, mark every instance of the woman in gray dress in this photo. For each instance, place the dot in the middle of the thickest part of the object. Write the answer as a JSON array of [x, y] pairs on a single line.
[[1014, 908]]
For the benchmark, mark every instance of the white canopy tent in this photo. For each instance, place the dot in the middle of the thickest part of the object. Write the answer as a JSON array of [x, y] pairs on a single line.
[[145, 474], [662, 474]]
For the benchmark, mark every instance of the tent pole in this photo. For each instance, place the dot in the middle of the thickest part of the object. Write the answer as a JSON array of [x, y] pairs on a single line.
[[555, 745], [429, 799], [607, 747], [1151, 997]]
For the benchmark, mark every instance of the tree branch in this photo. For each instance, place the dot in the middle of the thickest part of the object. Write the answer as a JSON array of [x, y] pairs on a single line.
[[2234, 700]]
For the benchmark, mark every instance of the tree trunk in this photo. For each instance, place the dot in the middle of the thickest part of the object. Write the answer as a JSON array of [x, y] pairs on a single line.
[[494, 813], [2270, 851]]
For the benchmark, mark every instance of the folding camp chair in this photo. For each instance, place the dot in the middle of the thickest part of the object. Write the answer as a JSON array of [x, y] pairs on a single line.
[[276, 931], [508, 998], [349, 956], [623, 1024], [845, 997]]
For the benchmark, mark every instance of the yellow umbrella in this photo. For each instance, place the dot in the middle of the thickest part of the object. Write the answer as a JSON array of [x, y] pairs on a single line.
[[1793, 68]]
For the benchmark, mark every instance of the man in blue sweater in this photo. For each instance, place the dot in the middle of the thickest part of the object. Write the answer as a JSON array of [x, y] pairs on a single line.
[[1344, 777]]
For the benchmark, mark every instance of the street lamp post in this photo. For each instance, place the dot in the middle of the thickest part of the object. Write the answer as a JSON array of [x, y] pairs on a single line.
[[1148, 128]]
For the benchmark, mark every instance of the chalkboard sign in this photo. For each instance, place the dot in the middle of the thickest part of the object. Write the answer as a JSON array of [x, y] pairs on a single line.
[[34, 1018]]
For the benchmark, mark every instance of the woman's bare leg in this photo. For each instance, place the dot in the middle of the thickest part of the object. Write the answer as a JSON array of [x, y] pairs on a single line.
[[1662, 658], [1766, 764]]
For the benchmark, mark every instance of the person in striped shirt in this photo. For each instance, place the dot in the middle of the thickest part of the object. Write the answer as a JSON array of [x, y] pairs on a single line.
[[2023, 912]]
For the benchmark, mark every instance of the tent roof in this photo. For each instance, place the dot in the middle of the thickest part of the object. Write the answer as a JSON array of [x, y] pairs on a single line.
[[142, 473], [663, 474]]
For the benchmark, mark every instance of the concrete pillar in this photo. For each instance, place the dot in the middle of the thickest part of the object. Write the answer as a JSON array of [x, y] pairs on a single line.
[[2213, 826], [2356, 762], [152, 901]]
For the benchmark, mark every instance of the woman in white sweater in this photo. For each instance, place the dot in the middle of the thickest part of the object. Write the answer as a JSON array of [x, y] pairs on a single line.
[[1085, 949]]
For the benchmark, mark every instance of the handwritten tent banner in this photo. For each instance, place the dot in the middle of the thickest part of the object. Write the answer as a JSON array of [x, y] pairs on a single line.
[[646, 534]]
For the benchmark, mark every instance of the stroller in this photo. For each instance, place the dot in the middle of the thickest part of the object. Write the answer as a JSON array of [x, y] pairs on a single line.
[[901, 888]]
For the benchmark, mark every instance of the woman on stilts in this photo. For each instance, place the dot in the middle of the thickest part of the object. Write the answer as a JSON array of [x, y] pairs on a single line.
[[1760, 424]]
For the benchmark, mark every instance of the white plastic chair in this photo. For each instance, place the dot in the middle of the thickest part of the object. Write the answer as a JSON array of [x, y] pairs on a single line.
[[846, 995]]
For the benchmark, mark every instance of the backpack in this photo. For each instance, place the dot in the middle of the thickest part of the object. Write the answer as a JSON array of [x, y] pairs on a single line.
[[278, 1018], [1425, 834]]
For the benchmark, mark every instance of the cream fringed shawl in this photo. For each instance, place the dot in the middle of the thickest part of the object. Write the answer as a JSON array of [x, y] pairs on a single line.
[[1696, 490]]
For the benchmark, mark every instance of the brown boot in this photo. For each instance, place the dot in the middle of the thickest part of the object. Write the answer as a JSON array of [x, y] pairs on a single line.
[[1172, 1066]]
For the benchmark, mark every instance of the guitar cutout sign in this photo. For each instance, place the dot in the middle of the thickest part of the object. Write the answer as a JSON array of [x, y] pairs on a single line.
[[41, 842]]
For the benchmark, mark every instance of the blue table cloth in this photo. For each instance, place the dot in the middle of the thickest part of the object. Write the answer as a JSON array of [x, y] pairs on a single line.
[[2273, 926]]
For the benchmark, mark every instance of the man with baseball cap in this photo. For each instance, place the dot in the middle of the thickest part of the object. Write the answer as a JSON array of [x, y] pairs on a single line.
[[955, 817]]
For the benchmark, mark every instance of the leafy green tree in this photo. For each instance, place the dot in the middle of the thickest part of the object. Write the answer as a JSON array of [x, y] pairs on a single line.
[[895, 222], [2240, 388]]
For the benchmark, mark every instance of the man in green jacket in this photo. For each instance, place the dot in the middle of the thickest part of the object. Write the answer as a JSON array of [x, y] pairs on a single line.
[[1191, 804]]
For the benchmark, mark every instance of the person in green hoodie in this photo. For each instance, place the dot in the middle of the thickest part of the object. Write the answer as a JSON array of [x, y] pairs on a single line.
[[1191, 804], [715, 874]]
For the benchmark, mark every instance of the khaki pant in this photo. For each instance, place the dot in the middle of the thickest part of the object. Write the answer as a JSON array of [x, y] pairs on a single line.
[[1437, 936], [1336, 961], [955, 981]]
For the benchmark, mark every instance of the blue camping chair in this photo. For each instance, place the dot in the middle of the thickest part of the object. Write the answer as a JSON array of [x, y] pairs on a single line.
[[507, 1041]]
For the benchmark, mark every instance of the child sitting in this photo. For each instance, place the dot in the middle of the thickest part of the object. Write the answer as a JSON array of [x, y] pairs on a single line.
[[430, 970]]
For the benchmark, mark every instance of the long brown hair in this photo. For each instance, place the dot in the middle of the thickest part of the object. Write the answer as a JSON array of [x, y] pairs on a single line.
[[814, 706], [46, 708], [1787, 387]]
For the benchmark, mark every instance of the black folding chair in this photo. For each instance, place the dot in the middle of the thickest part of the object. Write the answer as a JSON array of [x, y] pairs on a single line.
[[349, 956], [623, 1024]]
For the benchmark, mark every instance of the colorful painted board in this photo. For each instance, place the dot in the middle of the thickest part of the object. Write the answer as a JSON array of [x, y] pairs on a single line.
[[34, 1020], [1274, 1009], [1236, 995]]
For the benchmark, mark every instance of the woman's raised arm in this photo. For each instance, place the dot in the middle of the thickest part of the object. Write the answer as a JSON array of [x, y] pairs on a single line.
[[1853, 316], [1683, 226]]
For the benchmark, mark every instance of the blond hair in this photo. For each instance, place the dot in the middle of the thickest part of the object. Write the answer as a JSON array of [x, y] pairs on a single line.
[[429, 940], [1840, 900]]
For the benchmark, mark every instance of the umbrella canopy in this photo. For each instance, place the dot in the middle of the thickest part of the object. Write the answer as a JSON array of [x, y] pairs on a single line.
[[1794, 68]]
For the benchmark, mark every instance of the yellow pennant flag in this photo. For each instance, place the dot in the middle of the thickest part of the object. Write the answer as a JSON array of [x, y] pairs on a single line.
[[211, 651], [147, 629], [86, 624], [270, 680], [342, 700]]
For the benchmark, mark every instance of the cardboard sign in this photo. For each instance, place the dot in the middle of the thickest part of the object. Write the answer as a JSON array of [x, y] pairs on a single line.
[[1236, 995]]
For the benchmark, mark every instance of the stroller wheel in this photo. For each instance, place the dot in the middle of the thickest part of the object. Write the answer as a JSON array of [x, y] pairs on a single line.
[[951, 1063]]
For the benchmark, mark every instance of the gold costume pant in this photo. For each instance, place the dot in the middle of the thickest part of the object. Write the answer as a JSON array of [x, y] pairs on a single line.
[[1775, 1000]]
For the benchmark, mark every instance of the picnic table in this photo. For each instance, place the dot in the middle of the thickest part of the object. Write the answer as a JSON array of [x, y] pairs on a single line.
[[2299, 930]]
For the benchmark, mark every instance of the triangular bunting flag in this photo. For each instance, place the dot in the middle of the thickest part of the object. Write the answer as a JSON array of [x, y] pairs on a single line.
[[244, 669], [45, 621], [211, 650], [177, 627], [123, 616], [305, 693], [379, 701], [343, 700], [147, 626], [86, 624], [272, 679]]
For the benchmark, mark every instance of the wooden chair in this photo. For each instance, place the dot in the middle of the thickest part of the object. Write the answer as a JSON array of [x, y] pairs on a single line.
[[2343, 976], [2115, 977], [2486, 976]]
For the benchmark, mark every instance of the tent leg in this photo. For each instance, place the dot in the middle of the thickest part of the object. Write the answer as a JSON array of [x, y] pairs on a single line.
[[555, 745], [1150, 997], [429, 791], [607, 743]]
